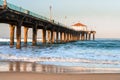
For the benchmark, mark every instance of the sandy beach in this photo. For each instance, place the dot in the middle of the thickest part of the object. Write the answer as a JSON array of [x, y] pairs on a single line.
[[50, 76]]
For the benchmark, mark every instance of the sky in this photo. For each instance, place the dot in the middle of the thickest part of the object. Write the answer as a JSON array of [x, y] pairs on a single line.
[[100, 15]]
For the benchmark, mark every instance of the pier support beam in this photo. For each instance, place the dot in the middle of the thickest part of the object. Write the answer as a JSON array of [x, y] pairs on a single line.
[[74, 37], [60, 37], [89, 36], [52, 37], [79, 36], [48, 36], [86, 36], [44, 36], [25, 35], [71, 37], [82, 37], [34, 40], [64, 37], [93, 35], [67, 37], [57, 36], [18, 34], [12, 28]]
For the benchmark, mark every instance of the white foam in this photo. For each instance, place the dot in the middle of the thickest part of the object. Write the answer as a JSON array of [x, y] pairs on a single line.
[[55, 59]]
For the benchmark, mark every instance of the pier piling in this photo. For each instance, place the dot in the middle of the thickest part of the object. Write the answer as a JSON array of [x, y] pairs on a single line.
[[25, 35], [34, 40], [60, 37], [94, 35], [89, 35], [18, 36], [52, 37], [44, 36], [12, 28], [57, 36]]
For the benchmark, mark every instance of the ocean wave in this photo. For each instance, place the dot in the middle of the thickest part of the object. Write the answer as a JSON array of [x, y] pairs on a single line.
[[56, 59], [99, 53]]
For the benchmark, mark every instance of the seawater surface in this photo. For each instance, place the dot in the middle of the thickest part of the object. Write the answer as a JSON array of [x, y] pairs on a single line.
[[101, 53]]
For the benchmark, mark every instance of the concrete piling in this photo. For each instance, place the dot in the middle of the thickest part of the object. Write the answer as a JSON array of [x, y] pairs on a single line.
[[44, 36], [60, 37], [89, 35], [18, 36], [48, 37], [12, 28], [34, 39], [94, 35], [57, 36], [25, 35]]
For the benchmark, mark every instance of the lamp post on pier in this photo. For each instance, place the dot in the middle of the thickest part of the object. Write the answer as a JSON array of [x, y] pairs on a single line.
[[49, 36], [50, 13]]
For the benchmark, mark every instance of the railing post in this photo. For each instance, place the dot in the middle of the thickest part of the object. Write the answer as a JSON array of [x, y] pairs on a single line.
[[12, 28]]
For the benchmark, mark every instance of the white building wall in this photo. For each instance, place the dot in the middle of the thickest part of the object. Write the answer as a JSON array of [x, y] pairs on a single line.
[[81, 28]]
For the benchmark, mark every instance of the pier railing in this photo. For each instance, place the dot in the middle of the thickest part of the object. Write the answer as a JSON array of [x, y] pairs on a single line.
[[20, 9]]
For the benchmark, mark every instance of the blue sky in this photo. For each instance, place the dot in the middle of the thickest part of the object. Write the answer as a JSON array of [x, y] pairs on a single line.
[[100, 15]]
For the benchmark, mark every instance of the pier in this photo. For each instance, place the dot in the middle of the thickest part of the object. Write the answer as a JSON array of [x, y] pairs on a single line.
[[52, 31]]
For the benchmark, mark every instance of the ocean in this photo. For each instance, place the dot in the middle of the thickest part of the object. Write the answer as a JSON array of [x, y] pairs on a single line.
[[101, 53]]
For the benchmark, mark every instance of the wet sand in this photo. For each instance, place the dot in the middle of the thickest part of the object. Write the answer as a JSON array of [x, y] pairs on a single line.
[[51, 76]]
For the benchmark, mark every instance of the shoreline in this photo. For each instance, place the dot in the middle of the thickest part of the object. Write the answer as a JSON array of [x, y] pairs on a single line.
[[52, 76], [22, 66]]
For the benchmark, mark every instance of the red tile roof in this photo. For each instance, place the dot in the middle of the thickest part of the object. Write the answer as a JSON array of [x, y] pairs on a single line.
[[78, 24]]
